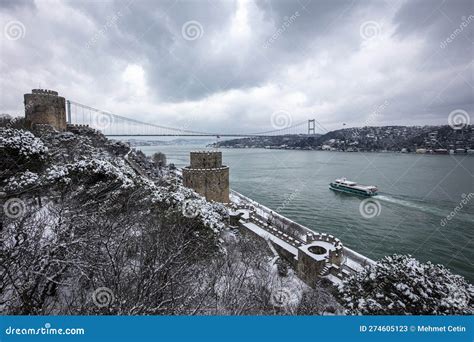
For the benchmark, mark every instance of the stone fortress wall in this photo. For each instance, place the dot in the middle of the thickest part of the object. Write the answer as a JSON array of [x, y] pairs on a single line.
[[335, 254], [313, 255], [206, 159], [45, 107], [320, 255], [207, 176]]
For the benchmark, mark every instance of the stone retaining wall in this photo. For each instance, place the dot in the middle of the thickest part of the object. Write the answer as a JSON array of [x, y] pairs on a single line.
[[348, 253]]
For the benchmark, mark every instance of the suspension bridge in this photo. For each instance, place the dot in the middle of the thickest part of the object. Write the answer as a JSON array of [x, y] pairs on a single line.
[[116, 125]]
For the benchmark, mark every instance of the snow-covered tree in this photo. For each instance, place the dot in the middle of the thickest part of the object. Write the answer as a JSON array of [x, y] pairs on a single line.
[[20, 151], [159, 159], [92, 221], [89, 220], [400, 284], [318, 301]]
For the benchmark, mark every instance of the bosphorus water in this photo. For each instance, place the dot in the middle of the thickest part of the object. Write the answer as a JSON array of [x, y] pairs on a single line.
[[416, 192]]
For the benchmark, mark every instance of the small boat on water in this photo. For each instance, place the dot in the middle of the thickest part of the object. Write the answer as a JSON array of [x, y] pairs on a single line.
[[350, 187]]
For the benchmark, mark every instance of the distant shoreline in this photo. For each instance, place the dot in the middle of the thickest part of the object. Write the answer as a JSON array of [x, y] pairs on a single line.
[[320, 150], [403, 139]]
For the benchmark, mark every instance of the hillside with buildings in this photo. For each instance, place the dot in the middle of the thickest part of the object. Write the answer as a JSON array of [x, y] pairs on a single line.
[[421, 139]]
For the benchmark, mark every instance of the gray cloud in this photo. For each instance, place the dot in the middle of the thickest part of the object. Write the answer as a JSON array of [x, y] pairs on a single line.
[[333, 60]]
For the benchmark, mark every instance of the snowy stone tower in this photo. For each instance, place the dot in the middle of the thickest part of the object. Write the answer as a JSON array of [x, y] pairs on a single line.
[[207, 176], [45, 107]]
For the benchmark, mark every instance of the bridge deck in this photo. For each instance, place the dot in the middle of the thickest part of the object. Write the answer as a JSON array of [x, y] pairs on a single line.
[[117, 125]]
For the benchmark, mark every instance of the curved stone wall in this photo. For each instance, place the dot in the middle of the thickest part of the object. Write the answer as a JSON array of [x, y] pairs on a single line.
[[211, 183], [337, 253], [45, 107], [206, 159], [320, 253]]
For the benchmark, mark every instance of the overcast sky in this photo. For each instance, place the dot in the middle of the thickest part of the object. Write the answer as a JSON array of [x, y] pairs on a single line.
[[241, 65]]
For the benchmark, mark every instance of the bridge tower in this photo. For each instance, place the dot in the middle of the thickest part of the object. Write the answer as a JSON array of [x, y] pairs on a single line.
[[312, 126], [45, 107], [207, 176]]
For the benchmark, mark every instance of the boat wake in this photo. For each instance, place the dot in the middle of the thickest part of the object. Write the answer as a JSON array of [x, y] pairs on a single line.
[[408, 204], [421, 206]]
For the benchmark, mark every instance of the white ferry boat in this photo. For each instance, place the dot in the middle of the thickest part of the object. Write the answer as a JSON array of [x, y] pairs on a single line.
[[344, 185]]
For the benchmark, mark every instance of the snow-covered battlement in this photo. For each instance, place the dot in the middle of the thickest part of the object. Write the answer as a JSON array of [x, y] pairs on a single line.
[[207, 176], [49, 109], [44, 92], [312, 254]]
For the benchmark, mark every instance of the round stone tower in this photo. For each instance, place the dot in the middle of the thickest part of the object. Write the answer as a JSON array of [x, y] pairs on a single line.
[[45, 107], [322, 254], [207, 176]]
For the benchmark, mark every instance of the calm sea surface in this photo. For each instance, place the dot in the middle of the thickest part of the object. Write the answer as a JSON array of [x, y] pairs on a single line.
[[416, 193]]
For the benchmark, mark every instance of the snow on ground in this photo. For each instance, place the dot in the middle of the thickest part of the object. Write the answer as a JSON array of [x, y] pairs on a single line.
[[286, 292], [266, 235]]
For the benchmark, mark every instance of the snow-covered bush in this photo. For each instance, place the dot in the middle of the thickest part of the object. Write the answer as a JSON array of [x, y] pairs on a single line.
[[400, 284], [21, 151], [90, 209], [91, 168], [57, 174], [23, 144], [22, 181], [213, 215]]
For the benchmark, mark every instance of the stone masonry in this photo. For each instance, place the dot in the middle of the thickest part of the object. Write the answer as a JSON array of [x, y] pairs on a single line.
[[45, 107], [312, 255], [207, 176]]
